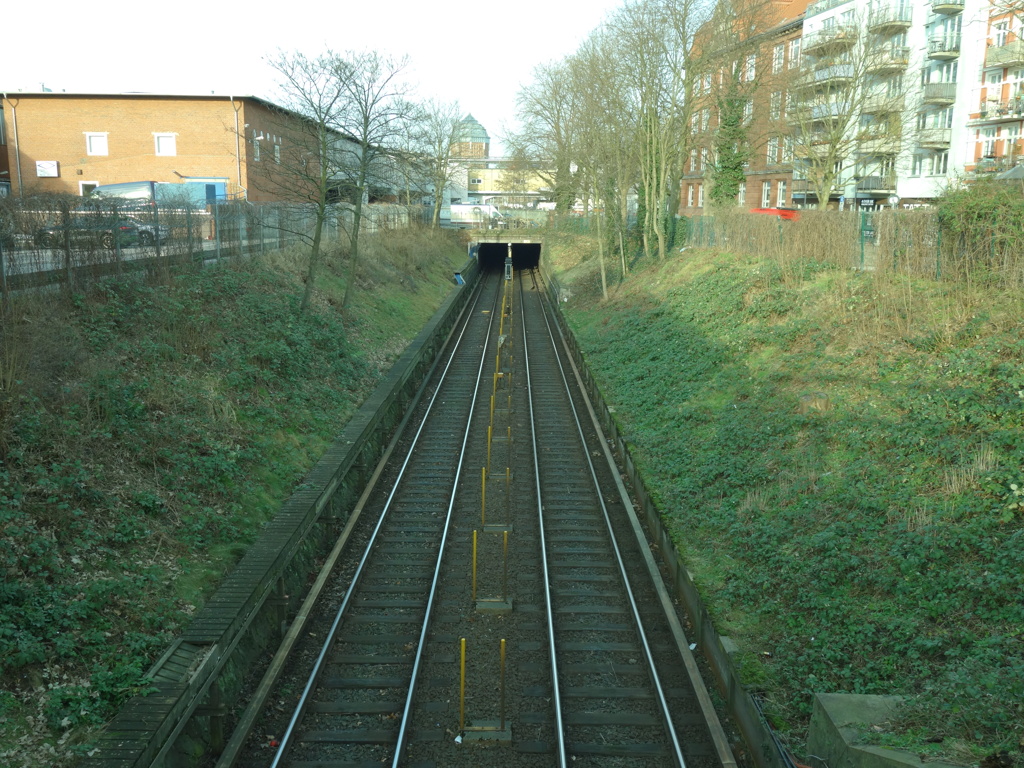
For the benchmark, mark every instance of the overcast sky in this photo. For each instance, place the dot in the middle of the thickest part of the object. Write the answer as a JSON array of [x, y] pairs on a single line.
[[476, 53]]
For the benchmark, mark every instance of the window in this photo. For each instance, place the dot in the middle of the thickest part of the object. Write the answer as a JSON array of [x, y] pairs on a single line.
[[773, 150], [750, 70], [778, 58], [742, 196], [1000, 31], [693, 161], [794, 53], [775, 105], [277, 154], [255, 150], [689, 196], [787, 149], [780, 197], [917, 165], [700, 195], [940, 163], [766, 194], [166, 144], [703, 158], [748, 110], [3, 136], [988, 142], [96, 144], [705, 118]]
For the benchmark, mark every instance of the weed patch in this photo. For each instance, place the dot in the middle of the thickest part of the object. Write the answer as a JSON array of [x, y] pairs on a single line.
[[839, 458], [147, 431]]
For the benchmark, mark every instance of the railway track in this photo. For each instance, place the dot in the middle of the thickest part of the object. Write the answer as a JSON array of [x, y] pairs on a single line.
[[504, 599]]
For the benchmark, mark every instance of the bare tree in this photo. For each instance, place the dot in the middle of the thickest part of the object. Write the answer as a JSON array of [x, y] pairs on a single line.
[[548, 108], [655, 39], [308, 161], [605, 148], [849, 113], [516, 175], [440, 126], [374, 111]]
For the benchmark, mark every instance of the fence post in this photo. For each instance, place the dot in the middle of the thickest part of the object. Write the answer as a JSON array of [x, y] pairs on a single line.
[[938, 254], [863, 221]]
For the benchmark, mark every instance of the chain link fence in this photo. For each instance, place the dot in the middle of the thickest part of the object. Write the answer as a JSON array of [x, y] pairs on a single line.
[[905, 241], [72, 241]]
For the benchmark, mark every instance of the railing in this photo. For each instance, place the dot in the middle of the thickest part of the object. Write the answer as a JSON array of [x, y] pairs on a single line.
[[995, 110], [891, 16], [1005, 55], [935, 138], [821, 6], [940, 92], [882, 183], [839, 34], [893, 57], [883, 103], [997, 164], [944, 46], [826, 74]]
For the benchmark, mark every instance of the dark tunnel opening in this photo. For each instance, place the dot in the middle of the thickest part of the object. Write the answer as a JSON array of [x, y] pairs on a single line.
[[492, 256]]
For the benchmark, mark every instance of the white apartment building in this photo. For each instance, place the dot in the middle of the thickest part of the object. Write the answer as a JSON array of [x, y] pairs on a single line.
[[941, 86]]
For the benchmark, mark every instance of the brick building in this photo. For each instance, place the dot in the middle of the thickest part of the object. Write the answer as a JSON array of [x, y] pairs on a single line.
[[70, 143]]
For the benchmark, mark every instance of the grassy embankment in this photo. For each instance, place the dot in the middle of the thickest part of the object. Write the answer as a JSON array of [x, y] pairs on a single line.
[[147, 431], [840, 458]]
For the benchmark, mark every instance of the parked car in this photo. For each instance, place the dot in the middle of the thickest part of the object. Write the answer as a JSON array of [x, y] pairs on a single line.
[[90, 231], [149, 233]]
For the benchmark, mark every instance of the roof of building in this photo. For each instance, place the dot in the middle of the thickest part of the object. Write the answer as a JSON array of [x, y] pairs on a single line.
[[472, 131]]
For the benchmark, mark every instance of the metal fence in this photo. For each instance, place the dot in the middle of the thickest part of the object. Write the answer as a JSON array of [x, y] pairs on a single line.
[[905, 241], [65, 240]]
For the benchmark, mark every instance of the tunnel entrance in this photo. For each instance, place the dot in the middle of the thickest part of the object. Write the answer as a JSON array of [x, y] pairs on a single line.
[[491, 255]]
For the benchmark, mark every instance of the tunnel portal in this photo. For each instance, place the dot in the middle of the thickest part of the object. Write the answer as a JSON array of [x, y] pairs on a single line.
[[491, 254]]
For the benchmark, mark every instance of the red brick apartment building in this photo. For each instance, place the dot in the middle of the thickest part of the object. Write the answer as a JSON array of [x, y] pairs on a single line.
[[70, 143], [766, 65]]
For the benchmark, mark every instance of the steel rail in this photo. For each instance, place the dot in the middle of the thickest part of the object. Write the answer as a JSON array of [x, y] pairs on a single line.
[[300, 708], [556, 696], [648, 655], [421, 646]]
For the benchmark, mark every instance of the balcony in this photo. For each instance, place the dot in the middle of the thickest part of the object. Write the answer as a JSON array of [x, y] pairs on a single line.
[[939, 94], [887, 61], [883, 104], [948, 7], [935, 138], [890, 20], [996, 111], [991, 164], [815, 149], [830, 40], [878, 143], [884, 184], [1009, 55], [943, 48], [827, 78], [807, 114], [823, 5]]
